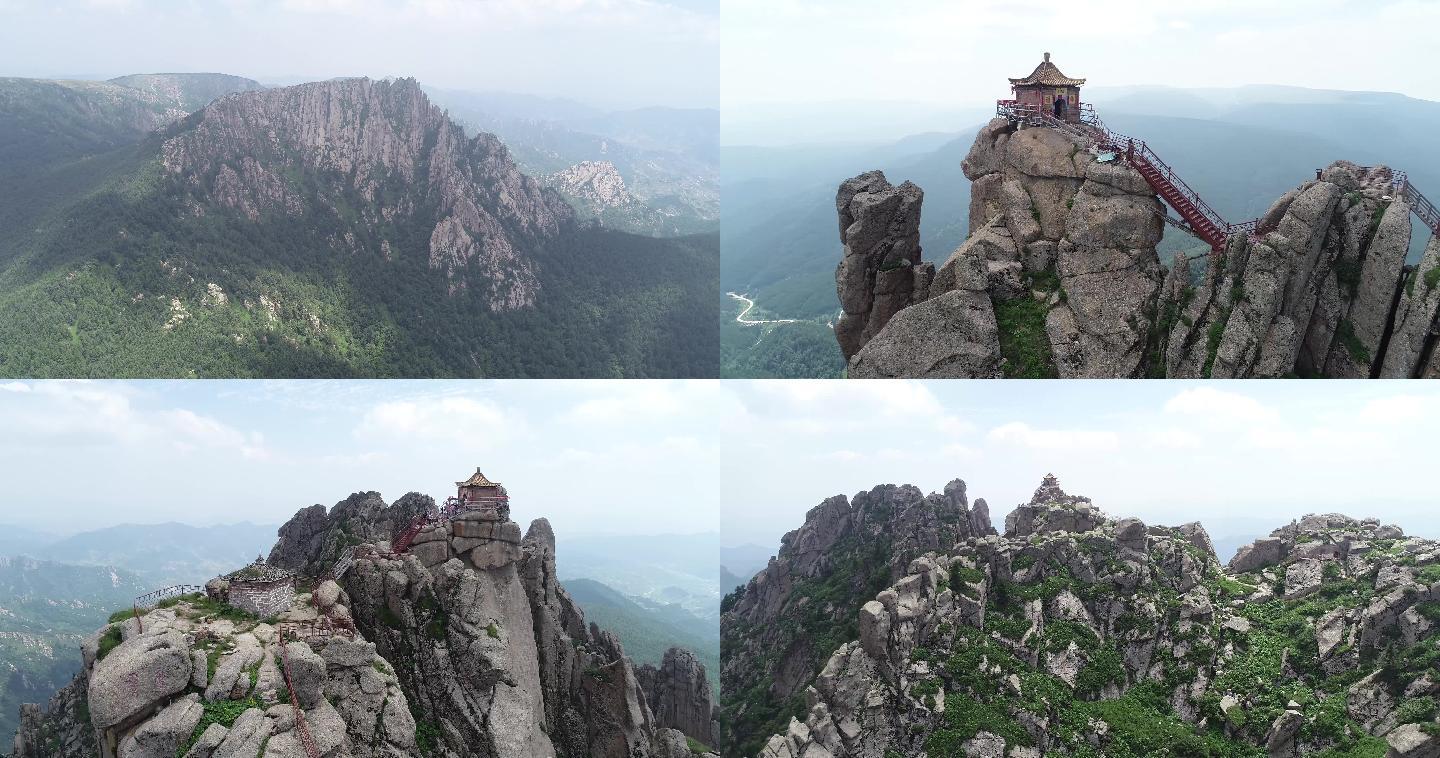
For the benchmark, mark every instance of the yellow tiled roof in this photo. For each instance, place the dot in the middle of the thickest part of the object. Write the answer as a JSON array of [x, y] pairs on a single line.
[[477, 480], [1046, 74]]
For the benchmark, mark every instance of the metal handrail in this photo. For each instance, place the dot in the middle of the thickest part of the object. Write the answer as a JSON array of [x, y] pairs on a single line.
[[306, 741], [1138, 152], [165, 593]]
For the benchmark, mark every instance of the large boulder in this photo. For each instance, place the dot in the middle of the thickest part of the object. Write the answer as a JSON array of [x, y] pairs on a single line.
[[950, 336], [307, 674], [1413, 741], [162, 735], [250, 730], [137, 675], [1257, 555]]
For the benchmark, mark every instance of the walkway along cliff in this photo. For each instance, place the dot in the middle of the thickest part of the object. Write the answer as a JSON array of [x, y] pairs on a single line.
[[1060, 277]]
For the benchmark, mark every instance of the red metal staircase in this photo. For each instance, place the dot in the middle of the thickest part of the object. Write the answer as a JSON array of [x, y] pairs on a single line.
[[301, 729], [1196, 216], [403, 542]]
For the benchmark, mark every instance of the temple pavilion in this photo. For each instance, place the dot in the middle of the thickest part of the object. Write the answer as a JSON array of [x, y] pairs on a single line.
[[479, 492], [1049, 89]]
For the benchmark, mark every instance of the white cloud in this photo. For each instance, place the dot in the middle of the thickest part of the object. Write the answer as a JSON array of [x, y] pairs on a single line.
[[1176, 438], [103, 413], [959, 451], [1216, 404], [473, 420], [1398, 409], [1022, 434]]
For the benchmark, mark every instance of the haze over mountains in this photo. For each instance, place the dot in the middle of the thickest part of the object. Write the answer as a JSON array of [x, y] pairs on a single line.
[[1239, 147], [367, 234]]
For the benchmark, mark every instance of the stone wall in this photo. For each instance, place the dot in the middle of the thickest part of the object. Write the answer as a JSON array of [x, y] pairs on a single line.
[[481, 537], [263, 600]]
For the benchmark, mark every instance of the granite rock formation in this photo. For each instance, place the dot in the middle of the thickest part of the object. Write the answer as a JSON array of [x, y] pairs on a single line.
[[494, 653], [680, 696], [881, 270], [1060, 277], [191, 679], [780, 626], [313, 539], [466, 646], [1077, 634], [385, 143]]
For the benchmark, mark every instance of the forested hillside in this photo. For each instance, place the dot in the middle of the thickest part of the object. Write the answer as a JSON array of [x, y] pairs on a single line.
[[367, 235]]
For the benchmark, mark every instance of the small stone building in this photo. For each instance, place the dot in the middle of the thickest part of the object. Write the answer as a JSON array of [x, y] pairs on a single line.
[[1049, 90], [260, 588], [479, 492]]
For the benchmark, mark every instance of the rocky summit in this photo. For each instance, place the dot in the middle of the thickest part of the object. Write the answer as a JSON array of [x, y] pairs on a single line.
[[1059, 277], [462, 645], [1073, 633], [383, 155], [777, 630]]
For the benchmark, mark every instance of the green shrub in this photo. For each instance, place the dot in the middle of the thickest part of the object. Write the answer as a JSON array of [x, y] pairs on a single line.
[[427, 737], [1024, 344], [965, 717], [122, 615], [108, 641], [1415, 710], [222, 712], [388, 618], [1345, 333]]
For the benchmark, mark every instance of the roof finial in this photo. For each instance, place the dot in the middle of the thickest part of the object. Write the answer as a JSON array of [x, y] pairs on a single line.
[[1047, 57]]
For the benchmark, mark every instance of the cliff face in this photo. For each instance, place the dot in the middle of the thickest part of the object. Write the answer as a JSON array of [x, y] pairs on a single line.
[[313, 539], [778, 629], [378, 154], [1325, 293], [1060, 277], [62, 728], [680, 696], [494, 653], [1077, 634]]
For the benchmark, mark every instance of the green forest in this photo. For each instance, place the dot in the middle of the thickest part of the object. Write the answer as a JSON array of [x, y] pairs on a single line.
[[94, 272]]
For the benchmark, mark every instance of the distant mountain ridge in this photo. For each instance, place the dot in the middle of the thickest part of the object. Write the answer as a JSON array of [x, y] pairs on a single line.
[[46, 610], [335, 228], [666, 159], [168, 553]]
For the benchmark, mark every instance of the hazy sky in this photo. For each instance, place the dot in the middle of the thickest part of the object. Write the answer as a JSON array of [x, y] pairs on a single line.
[[605, 52], [962, 51], [1241, 457], [624, 457]]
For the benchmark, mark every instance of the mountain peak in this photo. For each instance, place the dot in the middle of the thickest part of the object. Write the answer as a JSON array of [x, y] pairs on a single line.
[[1060, 276], [313, 149]]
